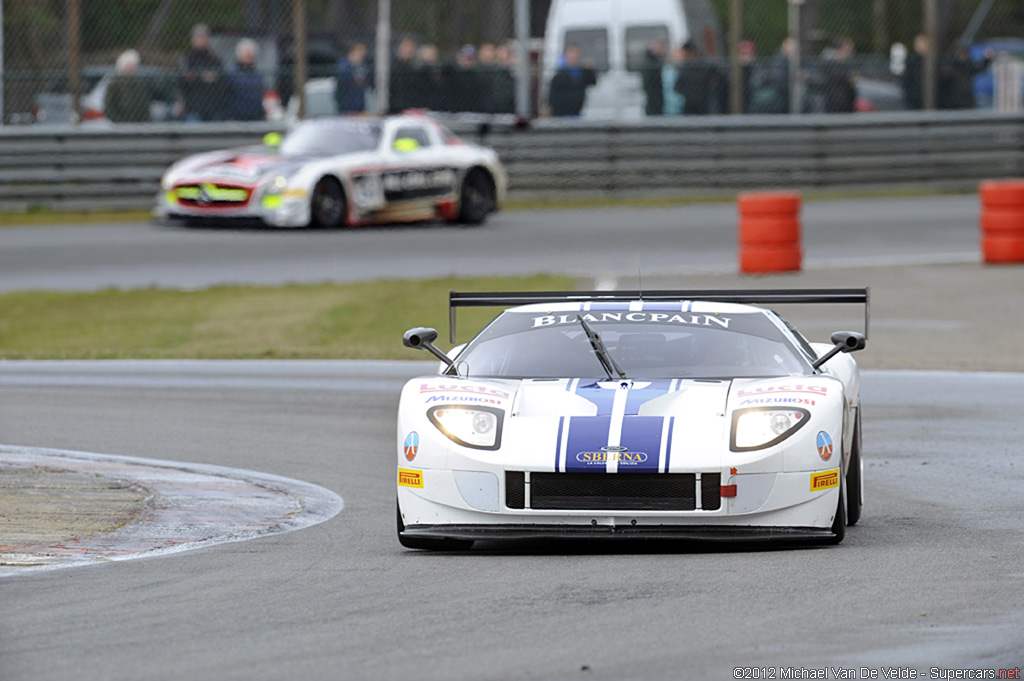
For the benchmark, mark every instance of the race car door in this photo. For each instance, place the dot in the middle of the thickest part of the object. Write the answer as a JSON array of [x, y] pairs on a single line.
[[419, 174]]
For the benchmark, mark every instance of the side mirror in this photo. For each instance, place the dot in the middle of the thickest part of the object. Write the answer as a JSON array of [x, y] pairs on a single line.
[[844, 341], [422, 338], [850, 341], [418, 337]]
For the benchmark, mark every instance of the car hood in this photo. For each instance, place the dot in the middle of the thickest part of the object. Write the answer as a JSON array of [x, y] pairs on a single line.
[[246, 166]]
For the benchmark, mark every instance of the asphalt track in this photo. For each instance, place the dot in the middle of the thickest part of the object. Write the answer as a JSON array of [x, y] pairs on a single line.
[[931, 577], [600, 243]]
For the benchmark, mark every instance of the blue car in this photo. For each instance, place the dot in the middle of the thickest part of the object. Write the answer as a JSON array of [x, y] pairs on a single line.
[[984, 82]]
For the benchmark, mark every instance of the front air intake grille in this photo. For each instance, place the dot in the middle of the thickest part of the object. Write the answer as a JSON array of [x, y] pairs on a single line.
[[515, 489], [711, 491], [613, 491]]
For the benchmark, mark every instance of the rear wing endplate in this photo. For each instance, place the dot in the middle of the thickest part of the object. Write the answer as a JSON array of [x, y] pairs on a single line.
[[457, 299]]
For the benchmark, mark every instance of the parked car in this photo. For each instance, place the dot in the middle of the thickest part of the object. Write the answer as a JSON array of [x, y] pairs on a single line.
[[53, 104], [984, 82]]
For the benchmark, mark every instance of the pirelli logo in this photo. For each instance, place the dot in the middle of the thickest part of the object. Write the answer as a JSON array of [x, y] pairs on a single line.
[[410, 478], [826, 480]]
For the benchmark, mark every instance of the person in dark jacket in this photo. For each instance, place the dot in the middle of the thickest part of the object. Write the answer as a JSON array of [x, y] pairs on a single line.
[[403, 78], [127, 97], [353, 78], [913, 74], [245, 85], [568, 89], [956, 80], [777, 78], [200, 79], [697, 78], [466, 87], [430, 85], [839, 89], [650, 72]]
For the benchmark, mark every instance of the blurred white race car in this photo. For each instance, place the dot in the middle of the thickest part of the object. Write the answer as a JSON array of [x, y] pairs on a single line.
[[665, 414], [337, 171]]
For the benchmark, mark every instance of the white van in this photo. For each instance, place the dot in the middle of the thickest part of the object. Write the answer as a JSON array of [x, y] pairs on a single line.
[[613, 37]]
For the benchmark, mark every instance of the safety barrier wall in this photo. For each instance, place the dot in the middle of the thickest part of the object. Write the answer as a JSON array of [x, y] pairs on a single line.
[[120, 167]]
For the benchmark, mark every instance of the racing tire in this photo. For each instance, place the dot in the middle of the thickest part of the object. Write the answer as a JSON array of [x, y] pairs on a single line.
[[839, 523], [476, 198], [328, 205], [855, 479], [429, 544]]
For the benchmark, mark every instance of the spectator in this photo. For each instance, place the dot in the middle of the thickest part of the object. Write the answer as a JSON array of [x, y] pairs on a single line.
[[353, 78], [127, 97], [695, 82], [750, 76], [777, 78], [654, 60], [431, 84], [913, 74], [403, 77], [245, 84], [840, 92], [496, 79], [200, 78], [956, 79], [466, 88], [673, 101], [568, 88]]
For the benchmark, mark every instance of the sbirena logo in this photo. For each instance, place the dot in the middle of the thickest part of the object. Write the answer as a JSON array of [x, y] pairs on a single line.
[[622, 458]]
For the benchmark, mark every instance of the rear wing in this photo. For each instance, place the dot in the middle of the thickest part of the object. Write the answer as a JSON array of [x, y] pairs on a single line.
[[457, 299]]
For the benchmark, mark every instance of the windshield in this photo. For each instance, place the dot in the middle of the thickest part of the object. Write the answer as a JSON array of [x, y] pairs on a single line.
[[648, 344], [331, 137]]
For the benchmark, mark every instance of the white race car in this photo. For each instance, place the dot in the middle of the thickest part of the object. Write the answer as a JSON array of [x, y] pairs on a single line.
[[330, 172], [667, 414]]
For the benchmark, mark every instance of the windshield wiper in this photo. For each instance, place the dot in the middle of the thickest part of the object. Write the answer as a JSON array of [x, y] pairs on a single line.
[[607, 363]]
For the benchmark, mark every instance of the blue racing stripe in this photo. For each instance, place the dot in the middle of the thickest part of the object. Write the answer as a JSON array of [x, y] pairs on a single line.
[[583, 450], [639, 396], [668, 444], [609, 307], [600, 397], [662, 307], [641, 436], [558, 442]]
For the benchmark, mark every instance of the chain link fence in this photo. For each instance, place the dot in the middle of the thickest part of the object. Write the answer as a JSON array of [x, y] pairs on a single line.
[[214, 60]]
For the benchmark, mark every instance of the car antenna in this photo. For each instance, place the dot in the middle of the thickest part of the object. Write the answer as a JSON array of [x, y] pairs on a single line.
[[640, 277]]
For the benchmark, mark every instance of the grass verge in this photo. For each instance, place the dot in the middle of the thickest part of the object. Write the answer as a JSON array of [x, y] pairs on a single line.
[[350, 321]]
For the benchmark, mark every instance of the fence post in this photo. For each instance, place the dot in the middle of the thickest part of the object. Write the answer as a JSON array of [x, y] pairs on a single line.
[[74, 59], [301, 74], [929, 90], [523, 108], [383, 66]]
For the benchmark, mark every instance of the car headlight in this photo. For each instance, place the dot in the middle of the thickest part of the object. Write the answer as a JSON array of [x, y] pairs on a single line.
[[761, 427], [476, 427]]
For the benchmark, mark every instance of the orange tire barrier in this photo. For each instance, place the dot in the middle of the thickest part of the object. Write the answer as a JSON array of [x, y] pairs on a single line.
[[1002, 221], [769, 233]]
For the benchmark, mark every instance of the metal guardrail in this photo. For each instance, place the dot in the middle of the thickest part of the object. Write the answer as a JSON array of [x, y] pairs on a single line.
[[120, 167]]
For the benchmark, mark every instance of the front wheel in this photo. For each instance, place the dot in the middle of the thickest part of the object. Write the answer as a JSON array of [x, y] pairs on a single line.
[[855, 479], [839, 523], [327, 207], [429, 544], [477, 197]]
